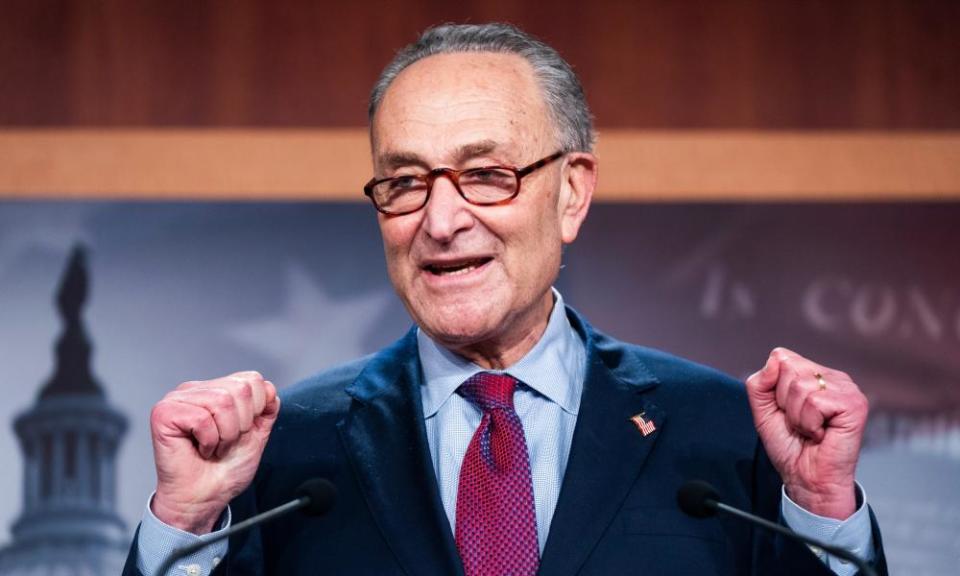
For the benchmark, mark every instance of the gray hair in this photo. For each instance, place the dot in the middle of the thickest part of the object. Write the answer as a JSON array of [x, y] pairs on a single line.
[[559, 84]]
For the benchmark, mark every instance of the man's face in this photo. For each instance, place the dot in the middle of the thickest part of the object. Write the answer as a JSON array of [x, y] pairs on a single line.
[[476, 278]]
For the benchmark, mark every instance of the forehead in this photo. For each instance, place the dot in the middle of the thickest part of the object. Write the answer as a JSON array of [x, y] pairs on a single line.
[[446, 102]]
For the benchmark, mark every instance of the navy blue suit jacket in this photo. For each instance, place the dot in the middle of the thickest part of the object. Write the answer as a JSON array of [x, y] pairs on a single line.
[[361, 425]]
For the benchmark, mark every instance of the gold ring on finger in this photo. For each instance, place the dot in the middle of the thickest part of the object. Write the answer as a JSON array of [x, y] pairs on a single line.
[[821, 383]]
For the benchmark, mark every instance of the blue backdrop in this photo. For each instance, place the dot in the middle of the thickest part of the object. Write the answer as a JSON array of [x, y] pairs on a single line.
[[192, 291]]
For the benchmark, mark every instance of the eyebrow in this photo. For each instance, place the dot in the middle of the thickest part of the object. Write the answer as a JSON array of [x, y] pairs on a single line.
[[393, 160], [474, 149]]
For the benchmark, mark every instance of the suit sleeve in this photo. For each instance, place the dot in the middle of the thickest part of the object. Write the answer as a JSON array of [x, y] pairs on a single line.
[[130, 567]]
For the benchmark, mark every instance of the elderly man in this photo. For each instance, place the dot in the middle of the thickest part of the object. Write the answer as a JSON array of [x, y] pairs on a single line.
[[503, 434]]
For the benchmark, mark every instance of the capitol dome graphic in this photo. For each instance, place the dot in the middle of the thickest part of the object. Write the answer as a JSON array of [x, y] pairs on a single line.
[[69, 439]]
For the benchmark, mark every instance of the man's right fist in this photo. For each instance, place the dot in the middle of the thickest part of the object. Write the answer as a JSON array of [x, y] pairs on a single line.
[[208, 437]]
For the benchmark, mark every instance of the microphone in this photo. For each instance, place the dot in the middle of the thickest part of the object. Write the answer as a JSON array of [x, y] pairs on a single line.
[[699, 499], [315, 497]]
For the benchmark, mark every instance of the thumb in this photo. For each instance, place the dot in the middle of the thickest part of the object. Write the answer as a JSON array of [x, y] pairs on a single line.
[[271, 409], [762, 384]]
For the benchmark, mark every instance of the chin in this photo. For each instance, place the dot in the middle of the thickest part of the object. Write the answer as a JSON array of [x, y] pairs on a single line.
[[460, 325]]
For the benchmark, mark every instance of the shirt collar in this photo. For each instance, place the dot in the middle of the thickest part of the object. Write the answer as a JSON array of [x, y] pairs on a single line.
[[554, 367]]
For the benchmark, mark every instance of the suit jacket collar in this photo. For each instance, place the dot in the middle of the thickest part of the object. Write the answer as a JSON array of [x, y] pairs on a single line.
[[385, 438], [608, 449]]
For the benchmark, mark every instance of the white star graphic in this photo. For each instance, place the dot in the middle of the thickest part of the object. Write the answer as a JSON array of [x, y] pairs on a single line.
[[312, 331]]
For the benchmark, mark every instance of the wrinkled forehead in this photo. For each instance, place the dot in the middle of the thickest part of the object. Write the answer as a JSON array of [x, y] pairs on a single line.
[[448, 102]]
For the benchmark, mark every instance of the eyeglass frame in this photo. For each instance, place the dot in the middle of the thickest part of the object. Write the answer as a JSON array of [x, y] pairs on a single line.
[[454, 176]]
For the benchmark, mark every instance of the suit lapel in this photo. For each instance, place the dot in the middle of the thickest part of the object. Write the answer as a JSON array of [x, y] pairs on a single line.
[[384, 437], [606, 456]]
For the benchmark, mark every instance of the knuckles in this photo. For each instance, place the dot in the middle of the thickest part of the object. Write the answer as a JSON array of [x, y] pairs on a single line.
[[188, 385], [158, 415], [859, 403], [247, 376], [781, 354], [237, 380], [227, 389], [222, 395], [164, 409], [223, 399], [245, 390]]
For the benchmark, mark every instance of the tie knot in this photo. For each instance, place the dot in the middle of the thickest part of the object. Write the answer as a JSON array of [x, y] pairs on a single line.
[[488, 391]]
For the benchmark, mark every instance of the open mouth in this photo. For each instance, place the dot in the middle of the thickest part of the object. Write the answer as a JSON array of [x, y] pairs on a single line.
[[456, 268]]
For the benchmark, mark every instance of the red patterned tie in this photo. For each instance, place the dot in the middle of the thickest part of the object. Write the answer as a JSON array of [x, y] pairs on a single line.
[[496, 518]]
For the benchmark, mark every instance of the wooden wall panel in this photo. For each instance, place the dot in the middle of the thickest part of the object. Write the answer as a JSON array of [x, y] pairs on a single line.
[[742, 64], [333, 164]]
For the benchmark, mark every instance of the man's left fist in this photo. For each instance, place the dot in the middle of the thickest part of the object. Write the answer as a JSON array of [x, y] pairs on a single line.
[[811, 421]]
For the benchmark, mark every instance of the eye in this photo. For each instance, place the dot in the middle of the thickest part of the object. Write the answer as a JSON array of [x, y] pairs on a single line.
[[404, 183], [488, 176], [484, 174]]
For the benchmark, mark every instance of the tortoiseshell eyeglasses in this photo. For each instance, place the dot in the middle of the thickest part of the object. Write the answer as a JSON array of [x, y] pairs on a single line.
[[483, 186]]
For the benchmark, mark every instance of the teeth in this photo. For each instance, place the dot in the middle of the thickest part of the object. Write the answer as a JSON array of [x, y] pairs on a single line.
[[456, 269]]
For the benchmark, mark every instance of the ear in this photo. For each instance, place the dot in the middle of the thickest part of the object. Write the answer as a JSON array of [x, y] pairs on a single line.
[[579, 178]]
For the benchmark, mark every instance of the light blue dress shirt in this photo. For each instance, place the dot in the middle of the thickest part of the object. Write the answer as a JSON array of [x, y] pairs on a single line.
[[547, 403], [552, 374]]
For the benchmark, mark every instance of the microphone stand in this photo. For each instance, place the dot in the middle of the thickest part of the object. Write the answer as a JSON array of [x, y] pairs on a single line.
[[204, 541], [841, 553]]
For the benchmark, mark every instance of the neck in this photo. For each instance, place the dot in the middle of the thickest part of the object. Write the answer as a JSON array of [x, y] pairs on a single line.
[[509, 348]]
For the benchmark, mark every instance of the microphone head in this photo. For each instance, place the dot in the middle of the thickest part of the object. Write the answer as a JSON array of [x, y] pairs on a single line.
[[698, 499], [321, 495]]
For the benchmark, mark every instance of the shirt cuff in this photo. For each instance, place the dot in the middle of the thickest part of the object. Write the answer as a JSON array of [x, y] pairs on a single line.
[[854, 534], [156, 541]]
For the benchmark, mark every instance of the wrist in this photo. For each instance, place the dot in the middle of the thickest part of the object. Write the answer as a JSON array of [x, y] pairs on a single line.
[[192, 517], [838, 501]]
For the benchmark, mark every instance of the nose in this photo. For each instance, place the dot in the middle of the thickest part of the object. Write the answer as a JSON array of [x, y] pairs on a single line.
[[446, 213]]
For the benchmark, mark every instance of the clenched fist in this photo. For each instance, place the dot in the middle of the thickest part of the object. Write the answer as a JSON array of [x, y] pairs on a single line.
[[811, 420], [208, 437]]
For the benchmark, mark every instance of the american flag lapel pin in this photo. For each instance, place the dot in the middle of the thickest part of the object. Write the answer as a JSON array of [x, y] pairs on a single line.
[[644, 425]]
